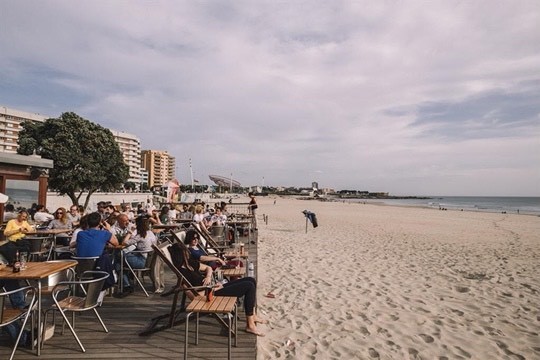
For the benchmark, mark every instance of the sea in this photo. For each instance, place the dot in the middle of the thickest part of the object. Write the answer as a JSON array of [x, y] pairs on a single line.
[[495, 204]]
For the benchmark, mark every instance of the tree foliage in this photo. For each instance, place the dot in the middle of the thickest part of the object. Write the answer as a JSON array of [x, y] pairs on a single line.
[[86, 156]]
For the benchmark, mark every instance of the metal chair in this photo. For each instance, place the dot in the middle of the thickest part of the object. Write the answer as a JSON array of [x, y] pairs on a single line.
[[9, 316], [61, 247], [39, 246], [139, 272], [84, 264], [90, 284]]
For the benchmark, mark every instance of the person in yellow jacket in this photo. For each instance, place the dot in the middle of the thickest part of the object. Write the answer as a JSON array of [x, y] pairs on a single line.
[[17, 228]]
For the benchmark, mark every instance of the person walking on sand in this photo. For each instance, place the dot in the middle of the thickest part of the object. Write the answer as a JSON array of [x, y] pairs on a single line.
[[252, 207]]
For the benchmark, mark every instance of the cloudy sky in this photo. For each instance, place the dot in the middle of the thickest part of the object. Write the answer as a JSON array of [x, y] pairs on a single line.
[[409, 97]]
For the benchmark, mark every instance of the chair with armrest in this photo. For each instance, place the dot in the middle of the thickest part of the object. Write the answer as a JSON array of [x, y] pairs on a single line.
[[90, 284], [39, 247], [9, 315]]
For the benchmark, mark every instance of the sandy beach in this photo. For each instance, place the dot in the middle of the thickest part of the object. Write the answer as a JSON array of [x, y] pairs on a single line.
[[384, 282]]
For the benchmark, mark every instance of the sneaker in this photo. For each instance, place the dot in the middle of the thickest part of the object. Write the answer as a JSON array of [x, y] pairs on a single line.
[[159, 291]]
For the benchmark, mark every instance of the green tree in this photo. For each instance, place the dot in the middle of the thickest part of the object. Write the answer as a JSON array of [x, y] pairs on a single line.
[[86, 156]]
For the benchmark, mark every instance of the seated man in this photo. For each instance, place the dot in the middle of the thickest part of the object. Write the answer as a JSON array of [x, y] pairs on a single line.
[[122, 227], [92, 241], [42, 215]]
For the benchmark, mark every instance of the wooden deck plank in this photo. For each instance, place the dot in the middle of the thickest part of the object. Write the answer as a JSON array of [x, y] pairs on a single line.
[[125, 318]]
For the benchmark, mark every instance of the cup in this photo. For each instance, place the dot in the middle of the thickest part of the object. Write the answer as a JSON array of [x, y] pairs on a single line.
[[219, 275], [241, 248], [23, 261]]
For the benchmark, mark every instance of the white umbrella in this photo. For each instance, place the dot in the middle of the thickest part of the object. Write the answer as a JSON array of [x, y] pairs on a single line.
[[3, 198]]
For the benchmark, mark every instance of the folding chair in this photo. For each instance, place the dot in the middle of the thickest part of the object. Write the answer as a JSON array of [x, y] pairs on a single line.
[[208, 243], [139, 272], [188, 291]]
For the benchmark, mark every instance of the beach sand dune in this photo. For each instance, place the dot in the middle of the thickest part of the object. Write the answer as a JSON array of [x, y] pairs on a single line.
[[383, 282]]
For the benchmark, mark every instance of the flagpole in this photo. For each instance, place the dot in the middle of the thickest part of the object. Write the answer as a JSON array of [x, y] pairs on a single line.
[[191, 171]]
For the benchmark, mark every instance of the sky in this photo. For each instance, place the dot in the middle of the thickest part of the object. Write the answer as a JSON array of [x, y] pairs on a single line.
[[405, 97]]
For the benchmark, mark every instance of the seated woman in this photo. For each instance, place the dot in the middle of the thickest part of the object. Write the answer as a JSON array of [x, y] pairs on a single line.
[[143, 239], [247, 287], [192, 242], [61, 221]]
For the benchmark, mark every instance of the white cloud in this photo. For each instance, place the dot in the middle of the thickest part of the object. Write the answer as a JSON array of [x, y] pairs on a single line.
[[278, 89]]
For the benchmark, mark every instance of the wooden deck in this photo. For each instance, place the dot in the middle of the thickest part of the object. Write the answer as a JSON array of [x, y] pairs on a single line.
[[128, 316]]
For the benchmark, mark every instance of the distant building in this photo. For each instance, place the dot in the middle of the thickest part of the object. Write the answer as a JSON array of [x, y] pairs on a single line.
[[159, 165], [10, 125], [130, 146]]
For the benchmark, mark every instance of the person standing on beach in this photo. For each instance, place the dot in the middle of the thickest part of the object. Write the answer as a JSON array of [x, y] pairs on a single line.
[[252, 207]]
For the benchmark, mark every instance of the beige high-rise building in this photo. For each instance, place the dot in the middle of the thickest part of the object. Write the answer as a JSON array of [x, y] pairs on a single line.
[[159, 165]]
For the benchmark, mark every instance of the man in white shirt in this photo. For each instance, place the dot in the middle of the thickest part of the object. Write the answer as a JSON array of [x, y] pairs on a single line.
[[42, 215]]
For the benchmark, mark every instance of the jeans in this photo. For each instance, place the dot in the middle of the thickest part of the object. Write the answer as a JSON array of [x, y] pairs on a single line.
[[136, 261], [246, 287]]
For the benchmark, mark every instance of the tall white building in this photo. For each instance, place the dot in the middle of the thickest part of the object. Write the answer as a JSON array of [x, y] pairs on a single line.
[[10, 125], [130, 146]]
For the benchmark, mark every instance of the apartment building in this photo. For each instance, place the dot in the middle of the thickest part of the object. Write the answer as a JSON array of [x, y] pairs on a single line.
[[159, 165], [10, 125], [130, 146]]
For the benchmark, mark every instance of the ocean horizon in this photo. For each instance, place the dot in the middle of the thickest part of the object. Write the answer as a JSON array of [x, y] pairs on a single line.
[[529, 205]]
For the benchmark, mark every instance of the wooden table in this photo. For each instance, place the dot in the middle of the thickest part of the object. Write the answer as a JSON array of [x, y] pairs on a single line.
[[37, 271], [234, 272], [218, 305], [236, 254]]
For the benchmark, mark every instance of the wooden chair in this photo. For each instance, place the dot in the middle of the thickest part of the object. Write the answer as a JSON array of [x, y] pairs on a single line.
[[9, 315], [188, 291], [208, 243]]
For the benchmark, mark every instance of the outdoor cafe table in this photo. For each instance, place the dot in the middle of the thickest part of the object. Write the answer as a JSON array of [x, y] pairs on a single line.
[[49, 232], [233, 272], [37, 271], [236, 254]]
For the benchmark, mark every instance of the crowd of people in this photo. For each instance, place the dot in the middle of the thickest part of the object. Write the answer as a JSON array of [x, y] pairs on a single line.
[[111, 228]]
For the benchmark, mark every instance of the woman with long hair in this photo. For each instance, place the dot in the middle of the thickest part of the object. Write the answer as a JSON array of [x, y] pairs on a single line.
[[246, 287], [61, 221], [143, 239]]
